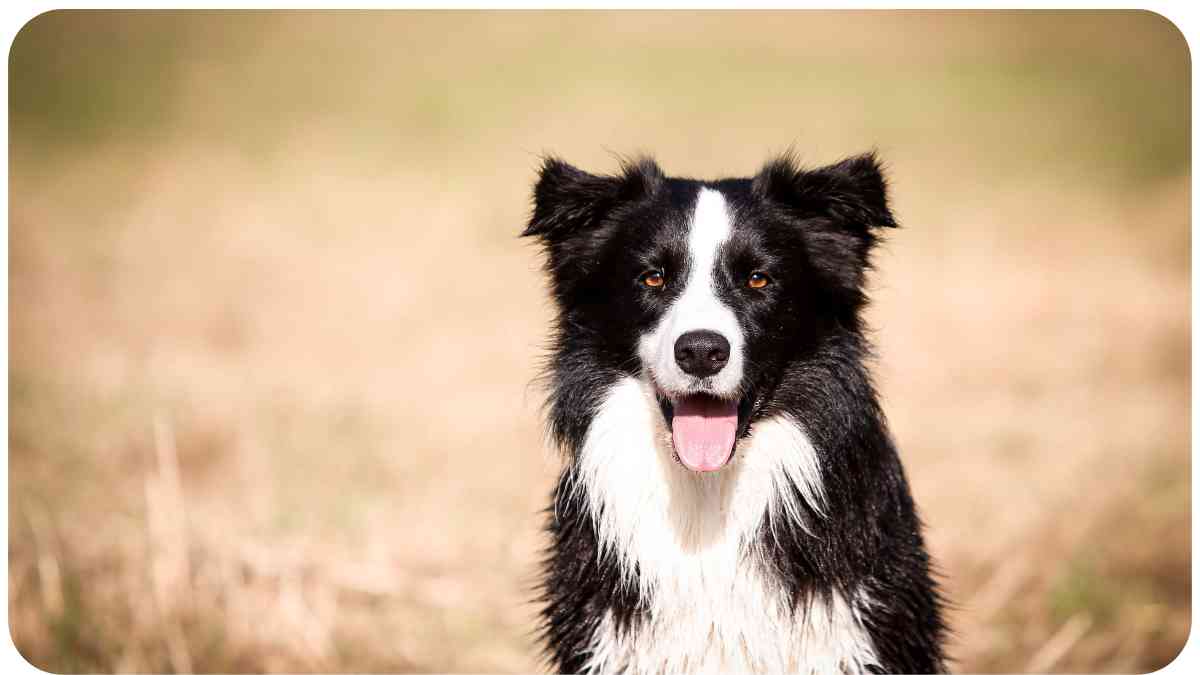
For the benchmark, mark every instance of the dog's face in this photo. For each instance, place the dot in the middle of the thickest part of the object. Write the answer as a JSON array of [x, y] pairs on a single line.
[[708, 290]]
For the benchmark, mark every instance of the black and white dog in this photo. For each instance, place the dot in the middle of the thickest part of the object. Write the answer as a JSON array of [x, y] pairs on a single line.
[[732, 499]]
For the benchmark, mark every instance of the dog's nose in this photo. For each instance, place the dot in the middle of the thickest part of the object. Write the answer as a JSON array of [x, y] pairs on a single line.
[[702, 352]]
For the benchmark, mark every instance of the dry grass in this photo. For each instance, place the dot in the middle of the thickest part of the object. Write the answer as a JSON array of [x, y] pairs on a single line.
[[272, 333]]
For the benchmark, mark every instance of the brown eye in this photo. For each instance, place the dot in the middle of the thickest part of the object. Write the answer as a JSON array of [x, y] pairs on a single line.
[[654, 279], [758, 280]]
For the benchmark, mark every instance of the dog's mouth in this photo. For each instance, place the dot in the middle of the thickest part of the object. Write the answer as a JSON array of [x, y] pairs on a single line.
[[705, 428]]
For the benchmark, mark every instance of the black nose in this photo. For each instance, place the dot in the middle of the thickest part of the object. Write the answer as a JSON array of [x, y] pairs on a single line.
[[702, 352]]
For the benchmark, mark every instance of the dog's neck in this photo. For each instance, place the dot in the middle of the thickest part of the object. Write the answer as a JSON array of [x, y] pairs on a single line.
[[689, 543]]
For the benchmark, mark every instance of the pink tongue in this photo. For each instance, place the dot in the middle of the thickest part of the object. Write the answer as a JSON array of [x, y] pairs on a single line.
[[703, 430]]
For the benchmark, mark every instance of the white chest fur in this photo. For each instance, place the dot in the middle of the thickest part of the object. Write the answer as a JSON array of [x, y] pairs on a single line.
[[713, 606]]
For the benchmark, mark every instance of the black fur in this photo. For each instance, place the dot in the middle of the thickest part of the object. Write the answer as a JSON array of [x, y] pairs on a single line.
[[812, 231]]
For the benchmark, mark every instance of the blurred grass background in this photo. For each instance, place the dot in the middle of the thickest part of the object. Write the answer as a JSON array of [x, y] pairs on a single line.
[[272, 332]]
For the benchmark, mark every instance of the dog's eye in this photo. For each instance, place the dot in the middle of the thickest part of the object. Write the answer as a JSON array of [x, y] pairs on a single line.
[[758, 280], [654, 279]]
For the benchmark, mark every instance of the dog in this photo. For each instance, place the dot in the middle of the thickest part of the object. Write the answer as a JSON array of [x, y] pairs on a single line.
[[731, 497]]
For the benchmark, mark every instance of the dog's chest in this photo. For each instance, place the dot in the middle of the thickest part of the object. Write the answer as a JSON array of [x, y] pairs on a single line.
[[689, 543], [734, 623]]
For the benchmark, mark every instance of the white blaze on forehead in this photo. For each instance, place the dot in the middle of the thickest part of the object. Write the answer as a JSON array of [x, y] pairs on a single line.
[[698, 307], [710, 227]]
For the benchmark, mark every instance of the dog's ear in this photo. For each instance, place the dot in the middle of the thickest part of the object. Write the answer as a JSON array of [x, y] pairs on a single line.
[[571, 211], [839, 207], [853, 191], [568, 201]]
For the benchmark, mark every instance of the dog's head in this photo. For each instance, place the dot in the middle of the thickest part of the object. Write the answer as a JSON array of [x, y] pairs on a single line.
[[710, 291]]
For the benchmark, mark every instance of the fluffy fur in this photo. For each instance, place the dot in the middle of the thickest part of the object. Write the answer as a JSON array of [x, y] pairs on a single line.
[[804, 553]]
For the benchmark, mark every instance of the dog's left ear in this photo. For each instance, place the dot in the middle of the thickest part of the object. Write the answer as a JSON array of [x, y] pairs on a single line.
[[853, 191], [839, 207]]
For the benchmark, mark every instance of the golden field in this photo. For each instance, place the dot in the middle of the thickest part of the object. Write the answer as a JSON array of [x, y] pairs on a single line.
[[273, 335]]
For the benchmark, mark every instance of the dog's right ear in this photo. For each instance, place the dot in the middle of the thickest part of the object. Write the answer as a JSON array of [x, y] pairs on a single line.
[[568, 201]]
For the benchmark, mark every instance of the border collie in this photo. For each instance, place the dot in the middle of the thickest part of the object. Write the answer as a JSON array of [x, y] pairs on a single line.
[[731, 499]]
